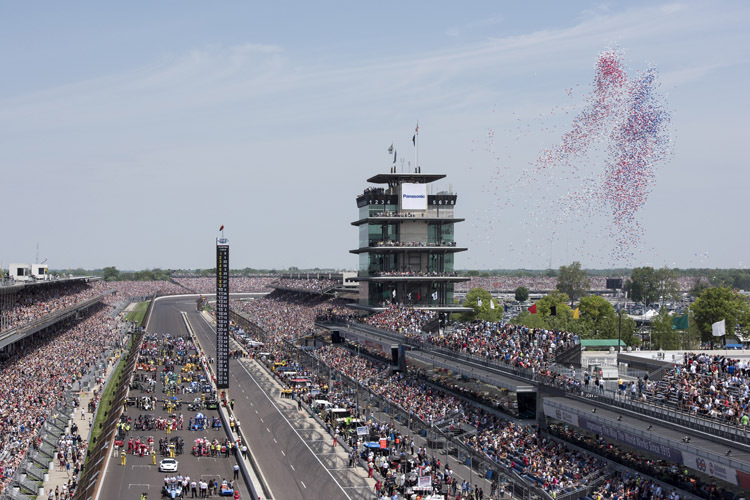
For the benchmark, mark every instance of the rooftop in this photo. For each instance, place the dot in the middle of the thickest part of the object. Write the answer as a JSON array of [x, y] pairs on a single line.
[[411, 177]]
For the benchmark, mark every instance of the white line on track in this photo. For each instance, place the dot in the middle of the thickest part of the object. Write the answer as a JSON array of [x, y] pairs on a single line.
[[290, 465], [295, 431], [303, 484], [282, 452]]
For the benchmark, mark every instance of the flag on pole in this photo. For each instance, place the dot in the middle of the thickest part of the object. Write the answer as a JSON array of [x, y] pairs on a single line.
[[718, 329], [479, 302], [435, 296], [532, 309], [416, 133], [492, 304], [390, 149], [680, 322], [221, 228], [577, 313], [395, 153], [553, 311]]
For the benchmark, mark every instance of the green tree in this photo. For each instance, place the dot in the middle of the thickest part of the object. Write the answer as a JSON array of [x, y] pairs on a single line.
[[596, 315], [573, 281], [643, 285], [720, 303], [662, 334], [522, 294], [482, 304], [667, 286], [544, 318], [700, 286], [110, 274]]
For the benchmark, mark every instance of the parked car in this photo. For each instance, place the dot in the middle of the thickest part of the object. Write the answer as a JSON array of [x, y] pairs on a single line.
[[168, 465]]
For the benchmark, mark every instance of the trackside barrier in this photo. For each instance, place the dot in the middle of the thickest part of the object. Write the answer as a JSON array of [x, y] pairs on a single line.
[[250, 477], [93, 467], [45, 321], [733, 432], [462, 453]]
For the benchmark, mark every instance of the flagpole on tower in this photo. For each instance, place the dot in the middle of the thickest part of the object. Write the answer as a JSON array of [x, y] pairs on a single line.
[[415, 140]]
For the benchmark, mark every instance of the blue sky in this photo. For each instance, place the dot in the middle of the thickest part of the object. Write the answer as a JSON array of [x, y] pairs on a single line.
[[129, 133]]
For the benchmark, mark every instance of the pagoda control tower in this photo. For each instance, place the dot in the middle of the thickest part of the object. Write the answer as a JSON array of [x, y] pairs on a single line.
[[406, 245]]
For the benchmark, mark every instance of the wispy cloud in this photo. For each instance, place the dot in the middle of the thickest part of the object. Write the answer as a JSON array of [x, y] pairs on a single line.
[[457, 31], [259, 74]]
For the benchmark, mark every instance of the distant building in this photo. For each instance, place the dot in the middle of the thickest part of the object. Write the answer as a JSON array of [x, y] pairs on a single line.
[[19, 272], [406, 243]]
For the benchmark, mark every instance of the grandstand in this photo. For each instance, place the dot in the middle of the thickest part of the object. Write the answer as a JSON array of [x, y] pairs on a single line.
[[673, 448]]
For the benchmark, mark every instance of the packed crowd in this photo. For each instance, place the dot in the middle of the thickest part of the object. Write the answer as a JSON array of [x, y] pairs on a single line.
[[394, 243], [34, 301], [126, 289], [545, 283], [548, 463], [715, 386], [305, 285], [37, 378], [408, 272], [286, 315], [241, 284], [516, 345], [400, 462], [667, 477], [401, 319]]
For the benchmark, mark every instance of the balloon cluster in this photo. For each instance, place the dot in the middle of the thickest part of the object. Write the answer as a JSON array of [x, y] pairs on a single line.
[[601, 171]]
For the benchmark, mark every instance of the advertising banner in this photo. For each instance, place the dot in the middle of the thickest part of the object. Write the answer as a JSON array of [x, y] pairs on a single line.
[[559, 414], [713, 469], [632, 439], [413, 196]]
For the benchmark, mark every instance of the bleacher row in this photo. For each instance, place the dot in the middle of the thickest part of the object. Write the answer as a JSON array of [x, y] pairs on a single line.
[[715, 387], [539, 467]]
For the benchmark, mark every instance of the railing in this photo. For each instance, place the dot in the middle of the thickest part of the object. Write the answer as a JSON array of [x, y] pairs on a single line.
[[462, 453], [96, 460], [735, 432], [49, 319], [29, 476]]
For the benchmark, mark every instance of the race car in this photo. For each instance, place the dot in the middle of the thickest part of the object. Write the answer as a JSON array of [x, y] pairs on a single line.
[[225, 490], [174, 490]]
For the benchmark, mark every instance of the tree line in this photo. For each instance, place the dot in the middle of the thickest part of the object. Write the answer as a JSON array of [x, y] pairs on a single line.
[[571, 308]]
